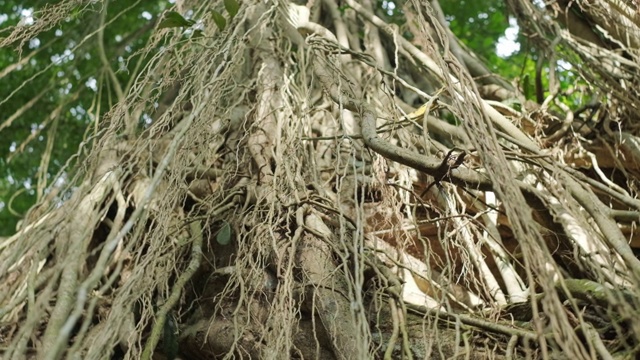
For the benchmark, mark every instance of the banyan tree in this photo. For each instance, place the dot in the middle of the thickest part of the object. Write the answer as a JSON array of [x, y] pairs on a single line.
[[335, 179]]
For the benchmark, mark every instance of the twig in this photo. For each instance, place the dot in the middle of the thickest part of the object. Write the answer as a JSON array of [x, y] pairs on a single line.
[[448, 163]]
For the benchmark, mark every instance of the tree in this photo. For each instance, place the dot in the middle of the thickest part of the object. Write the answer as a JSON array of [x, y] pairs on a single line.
[[330, 180]]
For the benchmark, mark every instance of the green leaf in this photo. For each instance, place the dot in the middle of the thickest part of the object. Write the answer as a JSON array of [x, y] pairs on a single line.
[[525, 86], [232, 7], [220, 21], [170, 344], [224, 235], [343, 8], [197, 34], [173, 19]]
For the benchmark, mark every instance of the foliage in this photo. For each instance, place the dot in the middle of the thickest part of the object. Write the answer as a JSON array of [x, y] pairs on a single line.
[[59, 72], [479, 24]]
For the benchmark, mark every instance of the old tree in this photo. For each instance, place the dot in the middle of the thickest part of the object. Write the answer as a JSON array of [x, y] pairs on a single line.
[[337, 179]]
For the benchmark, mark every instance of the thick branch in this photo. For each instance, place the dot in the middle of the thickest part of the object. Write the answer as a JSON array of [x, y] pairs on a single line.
[[428, 164]]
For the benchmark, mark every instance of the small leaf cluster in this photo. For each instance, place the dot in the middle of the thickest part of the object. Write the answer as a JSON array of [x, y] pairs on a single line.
[[173, 19], [232, 8]]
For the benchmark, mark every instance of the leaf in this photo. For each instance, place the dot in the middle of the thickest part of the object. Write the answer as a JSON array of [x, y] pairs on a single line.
[[232, 7], [170, 344], [525, 86], [197, 34], [224, 235], [173, 19], [419, 113], [220, 21]]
